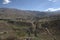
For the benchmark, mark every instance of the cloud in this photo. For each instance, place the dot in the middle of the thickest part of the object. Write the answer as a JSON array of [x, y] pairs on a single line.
[[52, 9], [6, 1], [52, 0]]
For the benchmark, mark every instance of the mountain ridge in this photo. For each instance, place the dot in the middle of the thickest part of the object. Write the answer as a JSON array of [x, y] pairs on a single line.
[[26, 14]]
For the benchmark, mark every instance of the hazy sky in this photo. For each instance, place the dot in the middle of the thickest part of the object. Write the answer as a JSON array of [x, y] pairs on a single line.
[[38, 5]]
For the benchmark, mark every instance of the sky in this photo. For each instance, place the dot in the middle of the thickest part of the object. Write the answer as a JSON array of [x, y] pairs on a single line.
[[37, 5]]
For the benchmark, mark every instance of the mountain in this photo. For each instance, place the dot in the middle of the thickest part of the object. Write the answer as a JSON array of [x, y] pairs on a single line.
[[15, 24], [26, 14]]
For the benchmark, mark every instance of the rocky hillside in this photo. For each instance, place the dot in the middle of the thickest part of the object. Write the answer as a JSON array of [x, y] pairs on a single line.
[[29, 25]]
